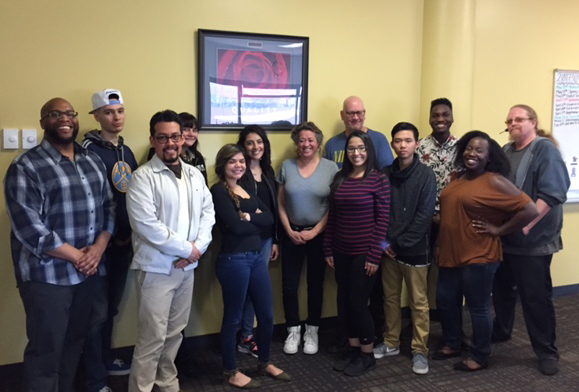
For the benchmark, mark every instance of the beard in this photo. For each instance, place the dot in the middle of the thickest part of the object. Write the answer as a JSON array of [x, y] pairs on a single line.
[[52, 134], [170, 158]]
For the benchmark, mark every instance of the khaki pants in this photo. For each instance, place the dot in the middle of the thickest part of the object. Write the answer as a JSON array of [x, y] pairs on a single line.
[[164, 306], [416, 279]]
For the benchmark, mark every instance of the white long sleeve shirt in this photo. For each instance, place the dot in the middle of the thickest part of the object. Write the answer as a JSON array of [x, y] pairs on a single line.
[[153, 208]]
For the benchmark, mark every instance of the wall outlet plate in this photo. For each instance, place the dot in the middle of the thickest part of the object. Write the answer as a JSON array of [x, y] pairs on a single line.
[[10, 139], [29, 138]]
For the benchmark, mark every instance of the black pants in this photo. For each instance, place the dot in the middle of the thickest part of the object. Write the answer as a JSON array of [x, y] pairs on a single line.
[[57, 320], [531, 275], [354, 288], [292, 262], [108, 295]]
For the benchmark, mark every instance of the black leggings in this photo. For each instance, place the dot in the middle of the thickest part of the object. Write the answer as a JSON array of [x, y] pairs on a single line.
[[354, 288]]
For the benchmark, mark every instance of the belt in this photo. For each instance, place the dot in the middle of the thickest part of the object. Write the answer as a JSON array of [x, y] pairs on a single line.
[[301, 228]]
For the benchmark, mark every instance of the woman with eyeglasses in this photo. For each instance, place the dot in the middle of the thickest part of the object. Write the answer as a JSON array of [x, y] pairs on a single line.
[[476, 209], [241, 269], [353, 245], [190, 153], [303, 192], [259, 178]]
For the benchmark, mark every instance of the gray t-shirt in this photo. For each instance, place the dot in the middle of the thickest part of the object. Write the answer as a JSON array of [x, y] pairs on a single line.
[[515, 157], [306, 199]]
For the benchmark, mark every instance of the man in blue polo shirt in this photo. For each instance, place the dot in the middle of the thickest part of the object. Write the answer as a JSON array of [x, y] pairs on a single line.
[[353, 115]]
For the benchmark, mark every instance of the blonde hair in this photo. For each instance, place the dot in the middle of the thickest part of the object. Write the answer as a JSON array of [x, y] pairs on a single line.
[[533, 116]]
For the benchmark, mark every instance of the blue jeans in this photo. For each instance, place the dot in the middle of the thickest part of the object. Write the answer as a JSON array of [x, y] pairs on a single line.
[[475, 283], [248, 311], [242, 275]]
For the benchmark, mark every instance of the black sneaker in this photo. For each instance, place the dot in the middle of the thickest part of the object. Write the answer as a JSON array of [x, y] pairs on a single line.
[[549, 366], [248, 346], [346, 358], [362, 364]]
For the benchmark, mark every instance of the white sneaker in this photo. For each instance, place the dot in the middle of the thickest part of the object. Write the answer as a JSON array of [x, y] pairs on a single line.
[[311, 340], [382, 350], [293, 340], [105, 389]]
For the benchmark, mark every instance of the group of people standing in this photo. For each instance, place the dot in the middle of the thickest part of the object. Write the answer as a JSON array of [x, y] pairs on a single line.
[[375, 220]]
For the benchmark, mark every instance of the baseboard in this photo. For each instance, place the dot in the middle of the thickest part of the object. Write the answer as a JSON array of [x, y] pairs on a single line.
[[563, 291]]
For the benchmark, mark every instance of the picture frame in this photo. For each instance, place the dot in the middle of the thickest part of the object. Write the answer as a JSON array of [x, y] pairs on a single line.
[[249, 78]]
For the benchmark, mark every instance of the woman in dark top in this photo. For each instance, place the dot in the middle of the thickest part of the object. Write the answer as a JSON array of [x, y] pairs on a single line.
[[189, 153], [241, 269], [259, 179], [354, 242]]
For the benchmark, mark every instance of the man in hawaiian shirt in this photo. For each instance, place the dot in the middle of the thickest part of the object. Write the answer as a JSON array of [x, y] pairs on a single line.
[[437, 150]]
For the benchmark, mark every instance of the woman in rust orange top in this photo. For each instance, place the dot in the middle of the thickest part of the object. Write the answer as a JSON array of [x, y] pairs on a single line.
[[476, 209]]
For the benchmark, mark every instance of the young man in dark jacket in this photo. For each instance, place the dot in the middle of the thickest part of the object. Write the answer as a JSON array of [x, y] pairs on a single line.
[[109, 111], [407, 256]]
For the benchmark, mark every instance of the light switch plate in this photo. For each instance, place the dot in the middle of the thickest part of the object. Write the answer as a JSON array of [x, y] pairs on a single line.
[[29, 138], [10, 139]]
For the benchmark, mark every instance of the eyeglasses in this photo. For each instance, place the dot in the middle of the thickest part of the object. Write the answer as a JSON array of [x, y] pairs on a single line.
[[57, 114], [351, 150], [516, 120], [162, 139], [359, 113]]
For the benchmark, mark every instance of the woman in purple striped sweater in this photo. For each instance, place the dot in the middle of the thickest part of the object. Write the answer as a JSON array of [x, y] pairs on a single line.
[[353, 244]]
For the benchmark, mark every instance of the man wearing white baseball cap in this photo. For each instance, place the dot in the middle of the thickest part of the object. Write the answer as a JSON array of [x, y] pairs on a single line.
[[109, 112]]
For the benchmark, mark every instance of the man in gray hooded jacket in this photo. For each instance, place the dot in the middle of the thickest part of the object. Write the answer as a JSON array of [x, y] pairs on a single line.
[[538, 170]]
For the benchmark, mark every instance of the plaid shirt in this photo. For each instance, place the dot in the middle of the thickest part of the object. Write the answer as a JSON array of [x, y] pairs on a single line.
[[52, 200], [440, 158]]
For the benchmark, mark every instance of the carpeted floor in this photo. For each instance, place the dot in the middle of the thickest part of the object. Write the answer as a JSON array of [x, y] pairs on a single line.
[[513, 366]]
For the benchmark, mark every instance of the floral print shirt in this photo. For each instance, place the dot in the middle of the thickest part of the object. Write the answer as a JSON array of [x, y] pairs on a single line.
[[440, 158]]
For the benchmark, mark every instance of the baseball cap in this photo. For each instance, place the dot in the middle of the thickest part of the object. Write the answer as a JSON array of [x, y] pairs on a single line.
[[106, 97]]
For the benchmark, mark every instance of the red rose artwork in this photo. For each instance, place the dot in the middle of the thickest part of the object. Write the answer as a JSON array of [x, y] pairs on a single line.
[[253, 69]]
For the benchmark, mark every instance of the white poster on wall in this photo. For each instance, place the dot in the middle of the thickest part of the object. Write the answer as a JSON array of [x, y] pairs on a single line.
[[566, 124]]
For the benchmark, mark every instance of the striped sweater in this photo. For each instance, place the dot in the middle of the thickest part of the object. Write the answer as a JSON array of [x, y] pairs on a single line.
[[358, 219]]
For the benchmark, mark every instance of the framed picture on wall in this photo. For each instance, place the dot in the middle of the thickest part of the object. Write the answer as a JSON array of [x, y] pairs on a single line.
[[251, 79]]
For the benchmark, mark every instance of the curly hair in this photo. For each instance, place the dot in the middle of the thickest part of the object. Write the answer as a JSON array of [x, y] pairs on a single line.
[[498, 161], [307, 126]]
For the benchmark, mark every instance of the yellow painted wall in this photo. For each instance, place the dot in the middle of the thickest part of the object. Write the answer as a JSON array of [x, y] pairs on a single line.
[[372, 48], [71, 48], [518, 45]]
